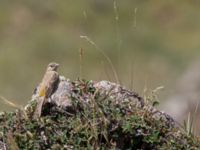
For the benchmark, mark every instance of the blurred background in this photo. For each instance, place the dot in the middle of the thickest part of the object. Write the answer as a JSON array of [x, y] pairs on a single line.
[[150, 43]]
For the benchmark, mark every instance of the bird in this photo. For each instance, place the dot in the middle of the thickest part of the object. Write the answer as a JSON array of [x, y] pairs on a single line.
[[46, 87]]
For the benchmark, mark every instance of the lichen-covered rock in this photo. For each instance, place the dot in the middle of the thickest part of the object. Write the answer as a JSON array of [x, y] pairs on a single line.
[[62, 96], [93, 115]]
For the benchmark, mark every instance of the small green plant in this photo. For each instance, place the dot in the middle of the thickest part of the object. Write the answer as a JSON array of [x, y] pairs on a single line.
[[152, 96]]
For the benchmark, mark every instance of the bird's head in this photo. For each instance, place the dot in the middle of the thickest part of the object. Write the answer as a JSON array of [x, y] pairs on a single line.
[[52, 66]]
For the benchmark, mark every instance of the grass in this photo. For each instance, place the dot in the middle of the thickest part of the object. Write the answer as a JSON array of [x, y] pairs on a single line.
[[190, 122], [105, 121], [104, 54]]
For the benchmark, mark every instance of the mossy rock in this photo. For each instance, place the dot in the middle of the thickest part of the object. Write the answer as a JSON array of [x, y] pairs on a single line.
[[98, 115]]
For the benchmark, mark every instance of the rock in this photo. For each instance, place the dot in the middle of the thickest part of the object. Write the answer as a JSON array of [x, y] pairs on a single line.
[[62, 95]]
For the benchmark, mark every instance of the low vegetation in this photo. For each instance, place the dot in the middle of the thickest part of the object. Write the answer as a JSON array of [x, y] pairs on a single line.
[[96, 119]]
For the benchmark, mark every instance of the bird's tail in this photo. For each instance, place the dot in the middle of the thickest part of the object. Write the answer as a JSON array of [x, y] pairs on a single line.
[[38, 109]]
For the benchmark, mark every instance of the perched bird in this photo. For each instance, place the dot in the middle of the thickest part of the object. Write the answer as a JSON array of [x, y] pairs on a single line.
[[47, 87]]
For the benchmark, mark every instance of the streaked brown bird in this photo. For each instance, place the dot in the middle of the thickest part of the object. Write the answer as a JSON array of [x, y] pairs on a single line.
[[47, 87]]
